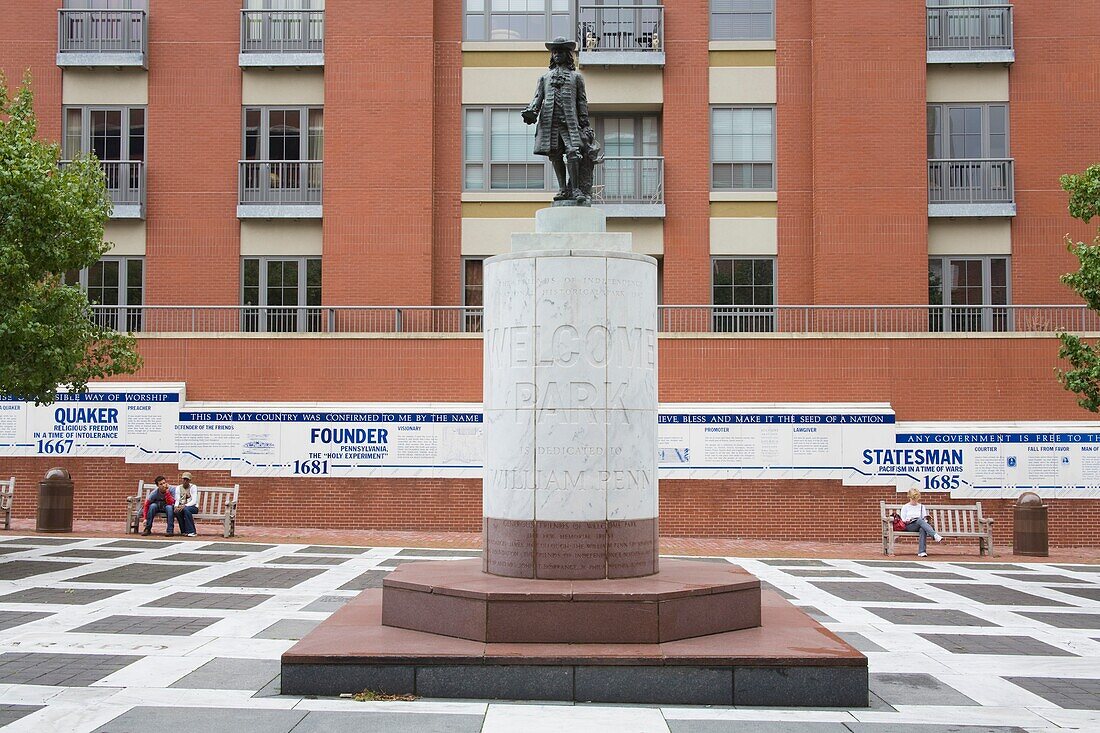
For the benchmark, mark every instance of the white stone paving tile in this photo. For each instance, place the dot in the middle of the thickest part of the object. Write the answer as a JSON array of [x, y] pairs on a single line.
[[67, 718], [765, 714], [153, 671], [199, 698], [948, 715], [71, 643], [989, 689], [436, 707], [574, 719], [29, 694], [245, 648], [1088, 720]]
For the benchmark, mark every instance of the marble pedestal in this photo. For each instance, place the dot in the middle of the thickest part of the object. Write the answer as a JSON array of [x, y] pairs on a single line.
[[570, 390]]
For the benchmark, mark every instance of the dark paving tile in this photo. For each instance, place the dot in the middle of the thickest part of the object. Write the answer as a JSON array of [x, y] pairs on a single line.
[[208, 720], [765, 585], [817, 614], [1042, 578], [369, 579], [990, 566], [420, 552], [693, 558], [877, 592], [990, 644], [64, 670], [200, 557], [151, 625], [139, 573], [20, 569], [916, 689], [271, 689], [997, 595], [929, 617], [60, 596], [1066, 692], [1093, 594], [265, 578], [10, 550], [288, 628], [11, 619], [928, 575], [220, 601], [11, 713], [1080, 568], [327, 604], [891, 564], [233, 547], [307, 560], [92, 553], [231, 674], [386, 722], [333, 550], [795, 563], [822, 573], [923, 728], [1065, 620], [40, 541], [860, 642], [141, 544]]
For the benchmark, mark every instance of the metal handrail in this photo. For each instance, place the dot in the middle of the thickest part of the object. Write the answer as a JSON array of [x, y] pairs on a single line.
[[125, 180], [602, 28], [969, 27], [971, 181], [630, 179], [101, 31], [280, 181], [282, 31], [719, 319]]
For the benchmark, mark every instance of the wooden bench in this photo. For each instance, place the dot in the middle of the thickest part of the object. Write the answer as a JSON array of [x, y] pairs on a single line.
[[215, 502], [950, 520], [7, 492]]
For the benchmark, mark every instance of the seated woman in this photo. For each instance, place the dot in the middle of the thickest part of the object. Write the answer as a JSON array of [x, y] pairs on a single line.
[[915, 519]]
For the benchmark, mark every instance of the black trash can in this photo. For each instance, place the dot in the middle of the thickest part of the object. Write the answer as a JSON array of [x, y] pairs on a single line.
[[1029, 526], [55, 502]]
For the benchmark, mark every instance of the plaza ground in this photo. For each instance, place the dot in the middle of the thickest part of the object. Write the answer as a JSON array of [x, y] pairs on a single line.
[[108, 633]]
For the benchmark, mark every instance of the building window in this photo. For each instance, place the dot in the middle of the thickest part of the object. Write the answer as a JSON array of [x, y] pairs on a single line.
[[282, 152], [969, 294], [632, 171], [116, 136], [743, 148], [472, 293], [737, 20], [116, 289], [516, 20], [281, 294], [497, 152], [743, 294], [967, 131]]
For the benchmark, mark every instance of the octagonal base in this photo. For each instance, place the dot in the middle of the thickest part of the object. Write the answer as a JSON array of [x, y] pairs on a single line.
[[684, 600]]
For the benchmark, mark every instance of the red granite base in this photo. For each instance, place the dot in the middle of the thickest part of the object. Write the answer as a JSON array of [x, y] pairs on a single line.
[[683, 600]]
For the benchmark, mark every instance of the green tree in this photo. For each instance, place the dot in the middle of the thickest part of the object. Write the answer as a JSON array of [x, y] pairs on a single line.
[[51, 220], [1084, 204]]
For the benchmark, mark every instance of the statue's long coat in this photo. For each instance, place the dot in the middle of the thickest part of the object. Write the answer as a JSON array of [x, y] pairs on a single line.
[[573, 112]]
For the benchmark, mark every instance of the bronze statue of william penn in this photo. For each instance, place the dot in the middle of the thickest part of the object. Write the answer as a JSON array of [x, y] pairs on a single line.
[[564, 134]]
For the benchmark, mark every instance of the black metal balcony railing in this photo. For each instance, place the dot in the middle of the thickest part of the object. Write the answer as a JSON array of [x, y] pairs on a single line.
[[282, 31], [125, 180], [751, 319], [630, 180], [280, 182], [101, 31], [970, 27], [987, 181], [620, 28]]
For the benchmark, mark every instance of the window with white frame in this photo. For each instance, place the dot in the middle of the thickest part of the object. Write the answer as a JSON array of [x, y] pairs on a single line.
[[516, 20], [742, 148], [281, 294], [968, 293], [737, 20], [743, 294], [116, 291], [497, 152]]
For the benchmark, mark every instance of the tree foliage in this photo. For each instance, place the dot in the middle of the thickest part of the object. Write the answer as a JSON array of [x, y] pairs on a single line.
[[51, 220], [1083, 379]]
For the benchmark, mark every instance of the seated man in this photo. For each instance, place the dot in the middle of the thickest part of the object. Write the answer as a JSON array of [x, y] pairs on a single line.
[[161, 499], [187, 504]]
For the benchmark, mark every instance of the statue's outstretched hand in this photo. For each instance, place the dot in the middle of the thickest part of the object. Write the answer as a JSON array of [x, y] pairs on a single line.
[[529, 116]]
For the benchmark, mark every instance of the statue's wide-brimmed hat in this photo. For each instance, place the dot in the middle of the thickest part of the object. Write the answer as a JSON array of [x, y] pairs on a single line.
[[562, 42]]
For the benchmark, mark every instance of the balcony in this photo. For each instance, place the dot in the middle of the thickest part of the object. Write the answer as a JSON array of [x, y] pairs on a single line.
[[125, 185], [272, 38], [971, 188], [630, 186], [101, 38], [621, 35], [279, 189], [970, 34]]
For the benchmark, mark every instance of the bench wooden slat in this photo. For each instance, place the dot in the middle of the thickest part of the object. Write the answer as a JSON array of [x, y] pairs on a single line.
[[7, 493]]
